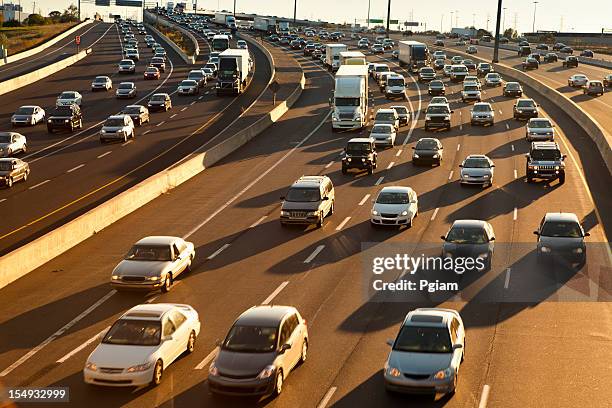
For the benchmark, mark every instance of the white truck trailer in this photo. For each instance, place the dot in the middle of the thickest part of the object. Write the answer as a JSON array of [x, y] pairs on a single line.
[[235, 66], [225, 19], [265, 24], [352, 58], [332, 55], [350, 100], [413, 54]]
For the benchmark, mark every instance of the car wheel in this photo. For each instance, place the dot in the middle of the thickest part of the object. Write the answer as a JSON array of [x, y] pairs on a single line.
[[191, 342], [158, 372], [561, 178], [344, 171], [167, 283], [278, 384], [320, 222], [304, 351]]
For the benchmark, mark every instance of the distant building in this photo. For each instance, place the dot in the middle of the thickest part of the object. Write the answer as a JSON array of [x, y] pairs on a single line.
[[10, 11]]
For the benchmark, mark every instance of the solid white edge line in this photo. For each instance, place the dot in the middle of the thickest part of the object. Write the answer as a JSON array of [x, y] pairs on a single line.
[[364, 199], [75, 168], [484, 397], [259, 221], [507, 126], [343, 223], [328, 165], [433, 216], [314, 253], [207, 359], [379, 181], [82, 346], [507, 281], [218, 251], [275, 293], [146, 131], [327, 397]]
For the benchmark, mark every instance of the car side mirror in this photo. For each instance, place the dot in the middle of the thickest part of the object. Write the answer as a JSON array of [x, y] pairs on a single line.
[[413, 148], [457, 346], [587, 234], [526, 154], [536, 232], [564, 156], [492, 239], [442, 237], [390, 342], [492, 165], [282, 197], [285, 347], [461, 165], [325, 198]]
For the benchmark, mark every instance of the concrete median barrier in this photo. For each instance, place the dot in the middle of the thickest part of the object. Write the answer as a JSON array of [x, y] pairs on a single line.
[[36, 253], [189, 59], [30, 78]]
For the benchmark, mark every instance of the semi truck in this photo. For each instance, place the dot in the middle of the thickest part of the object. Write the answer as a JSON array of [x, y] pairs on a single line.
[[332, 55], [220, 42], [235, 66], [350, 100], [265, 24], [283, 28], [413, 54], [352, 58], [225, 19]]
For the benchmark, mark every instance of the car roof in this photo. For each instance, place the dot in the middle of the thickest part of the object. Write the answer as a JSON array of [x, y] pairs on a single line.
[[116, 117], [160, 94], [469, 224], [395, 189], [268, 315], [150, 311], [385, 110], [157, 240], [432, 317], [384, 125], [482, 104], [477, 156], [399, 107], [361, 140], [309, 181], [559, 216], [438, 104], [544, 145], [426, 139]]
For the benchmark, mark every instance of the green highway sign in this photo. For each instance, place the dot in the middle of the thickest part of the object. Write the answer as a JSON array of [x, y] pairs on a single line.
[[395, 22], [376, 20]]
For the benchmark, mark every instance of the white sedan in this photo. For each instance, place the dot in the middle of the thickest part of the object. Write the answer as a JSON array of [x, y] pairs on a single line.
[[383, 134], [142, 344], [395, 205], [241, 44], [11, 142], [28, 115], [577, 80], [68, 98]]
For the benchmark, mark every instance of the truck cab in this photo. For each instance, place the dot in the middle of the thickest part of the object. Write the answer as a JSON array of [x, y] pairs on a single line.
[[350, 99]]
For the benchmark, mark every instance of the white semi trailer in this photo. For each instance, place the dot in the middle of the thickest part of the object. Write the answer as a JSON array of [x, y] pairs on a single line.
[[235, 66], [332, 55]]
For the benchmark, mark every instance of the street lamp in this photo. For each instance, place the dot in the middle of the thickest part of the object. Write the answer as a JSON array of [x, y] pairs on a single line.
[[535, 5], [497, 21], [368, 21], [451, 20], [504, 20], [441, 21]]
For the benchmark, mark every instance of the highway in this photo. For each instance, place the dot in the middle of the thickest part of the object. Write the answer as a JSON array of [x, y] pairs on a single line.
[[534, 337], [72, 173]]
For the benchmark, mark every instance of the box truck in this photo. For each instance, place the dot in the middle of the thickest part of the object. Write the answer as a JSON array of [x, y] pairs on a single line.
[[220, 42], [283, 28], [352, 58], [225, 19], [265, 24], [413, 54], [235, 66], [332, 55], [350, 100]]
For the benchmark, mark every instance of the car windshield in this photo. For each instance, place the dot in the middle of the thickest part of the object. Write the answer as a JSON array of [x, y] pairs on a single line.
[[347, 102], [358, 148], [158, 98], [492, 76], [126, 63], [539, 124], [149, 253], [114, 122], [25, 111], [513, 86], [126, 86], [427, 70], [423, 340], [436, 84], [438, 99], [482, 108], [251, 339], [545, 154], [381, 68], [476, 163], [427, 145], [157, 60], [301, 195], [381, 129], [563, 229], [470, 88], [131, 109], [188, 82], [197, 74], [459, 69], [5, 139], [460, 235], [385, 116], [438, 109], [395, 82], [100, 80], [67, 95], [128, 332], [401, 110], [580, 77], [392, 198], [152, 70], [484, 66], [525, 104]]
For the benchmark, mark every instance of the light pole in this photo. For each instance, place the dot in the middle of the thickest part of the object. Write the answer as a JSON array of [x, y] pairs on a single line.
[[498, 20], [294, 11], [368, 20], [451, 20], [388, 15], [441, 22], [456, 18], [474, 20], [234, 10], [503, 27], [535, 5]]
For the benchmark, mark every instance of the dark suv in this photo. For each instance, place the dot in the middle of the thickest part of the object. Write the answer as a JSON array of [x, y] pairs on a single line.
[[65, 117], [524, 51], [545, 161], [360, 153], [570, 62]]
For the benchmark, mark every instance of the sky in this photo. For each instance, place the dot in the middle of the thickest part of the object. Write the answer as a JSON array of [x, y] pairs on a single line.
[[557, 15]]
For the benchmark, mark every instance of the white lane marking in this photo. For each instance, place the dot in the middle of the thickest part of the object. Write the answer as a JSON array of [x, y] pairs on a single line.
[[200, 98], [160, 123], [507, 281], [390, 165], [75, 168], [515, 214], [256, 223], [433, 216], [458, 146], [328, 165], [343, 223], [82, 346], [104, 154], [398, 153], [450, 176], [207, 359], [2, 200], [252, 183], [275, 293], [484, 397], [151, 300], [507, 126], [379, 181], [39, 184], [364, 199], [461, 126], [184, 109], [316, 252], [58, 333], [173, 115], [327, 397], [500, 112], [218, 251], [146, 131], [207, 92], [127, 143], [192, 103], [515, 174], [512, 147]]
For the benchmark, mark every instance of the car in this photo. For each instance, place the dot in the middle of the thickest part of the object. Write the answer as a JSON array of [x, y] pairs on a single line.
[[535, 56], [524, 50], [447, 70], [593, 87], [470, 92], [539, 129], [607, 81], [209, 73], [477, 169], [263, 346], [471, 80], [309, 49], [438, 116], [459, 43], [241, 44], [65, 117], [545, 161], [551, 57], [403, 114], [198, 76], [525, 108], [140, 346], [439, 54], [378, 69], [471, 50], [11, 143], [151, 73], [68, 98], [439, 43], [561, 237], [542, 47], [212, 66], [503, 40], [117, 128], [513, 89], [383, 134], [483, 69], [13, 170], [482, 113], [387, 116], [530, 63], [363, 45], [101, 82], [28, 115], [388, 43], [295, 45], [394, 86], [567, 50], [470, 239], [469, 64], [427, 150], [587, 54], [159, 101], [436, 88], [377, 49], [127, 66], [381, 78], [426, 74], [493, 79], [456, 60], [570, 61], [394, 205], [159, 51], [558, 46], [438, 64], [126, 90], [458, 72], [188, 87], [138, 113], [439, 100], [308, 201], [359, 153], [132, 54], [159, 63], [153, 263], [577, 80], [395, 54], [427, 353], [214, 60]]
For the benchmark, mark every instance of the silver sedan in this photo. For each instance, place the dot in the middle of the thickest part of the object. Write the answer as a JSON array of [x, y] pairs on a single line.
[[477, 169]]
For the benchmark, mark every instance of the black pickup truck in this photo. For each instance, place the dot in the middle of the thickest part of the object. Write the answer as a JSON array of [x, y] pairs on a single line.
[[66, 118]]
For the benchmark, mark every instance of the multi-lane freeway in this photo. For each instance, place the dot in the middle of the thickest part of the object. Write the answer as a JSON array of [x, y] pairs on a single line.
[[534, 336]]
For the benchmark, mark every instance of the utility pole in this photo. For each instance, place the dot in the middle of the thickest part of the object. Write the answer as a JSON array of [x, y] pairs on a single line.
[[451, 20], [474, 20], [368, 21], [441, 21], [535, 5], [488, 19], [456, 18], [79, 10], [294, 11], [388, 15], [503, 27], [234, 9], [498, 20]]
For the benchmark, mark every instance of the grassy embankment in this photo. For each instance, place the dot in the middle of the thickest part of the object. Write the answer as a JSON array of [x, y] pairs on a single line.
[[177, 37], [23, 38]]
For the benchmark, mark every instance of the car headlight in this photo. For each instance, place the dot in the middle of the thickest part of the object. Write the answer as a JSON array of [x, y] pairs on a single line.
[[486, 176], [442, 374], [348, 159], [374, 212], [154, 278], [49, 121], [577, 250], [416, 156], [66, 121], [115, 277], [212, 370], [139, 367], [267, 372], [404, 213], [435, 156], [545, 249], [427, 117], [284, 213], [91, 366], [363, 160], [312, 213], [466, 176], [556, 167], [394, 372]]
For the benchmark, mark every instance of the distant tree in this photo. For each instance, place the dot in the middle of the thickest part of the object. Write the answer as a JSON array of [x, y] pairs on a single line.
[[55, 16], [35, 19], [510, 33], [12, 23], [70, 14]]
